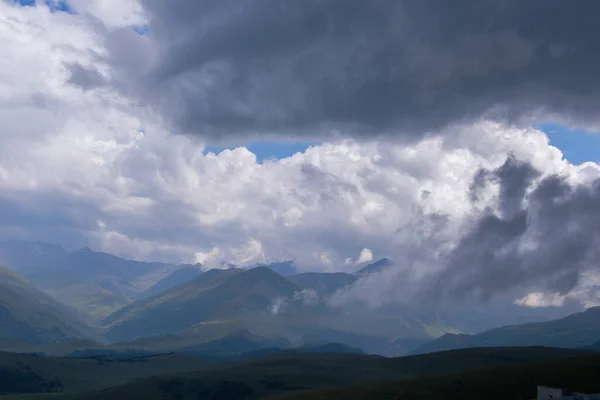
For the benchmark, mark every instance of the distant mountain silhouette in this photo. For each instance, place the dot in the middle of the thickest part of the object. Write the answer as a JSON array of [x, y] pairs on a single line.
[[576, 330], [94, 282], [594, 346], [16, 254], [284, 268], [28, 314]]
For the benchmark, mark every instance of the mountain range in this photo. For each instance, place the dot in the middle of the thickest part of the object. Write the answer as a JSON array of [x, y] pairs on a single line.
[[17, 254], [93, 282], [152, 307]]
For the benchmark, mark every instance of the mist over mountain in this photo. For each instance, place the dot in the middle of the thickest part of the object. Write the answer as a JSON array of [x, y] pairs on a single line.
[[323, 283], [285, 268]]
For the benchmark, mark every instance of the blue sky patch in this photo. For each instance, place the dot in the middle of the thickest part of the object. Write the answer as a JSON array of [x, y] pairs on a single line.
[[265, 150], [141, 29], [578, 145], [53, 5]]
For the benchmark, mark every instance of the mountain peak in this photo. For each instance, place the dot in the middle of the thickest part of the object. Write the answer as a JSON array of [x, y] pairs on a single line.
[[261, 270], [284, 268], [377, 266]]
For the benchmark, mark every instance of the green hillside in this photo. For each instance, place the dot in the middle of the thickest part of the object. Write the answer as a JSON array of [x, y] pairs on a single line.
[[576, 330], [214, 296], [29, 315], [291, 371]]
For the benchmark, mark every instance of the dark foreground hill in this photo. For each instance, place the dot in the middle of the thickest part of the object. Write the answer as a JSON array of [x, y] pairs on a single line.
[[289, 371], [21, 373], [576, 330], [519, 381], [594, 346], [28, 314]]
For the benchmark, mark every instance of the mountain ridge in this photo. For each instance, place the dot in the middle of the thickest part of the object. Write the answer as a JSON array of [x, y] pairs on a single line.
[[30, 315], [220, 294], [573, 331]]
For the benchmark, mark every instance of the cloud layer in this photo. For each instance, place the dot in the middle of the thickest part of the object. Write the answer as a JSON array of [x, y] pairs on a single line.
[[477, 209], [399, 67]]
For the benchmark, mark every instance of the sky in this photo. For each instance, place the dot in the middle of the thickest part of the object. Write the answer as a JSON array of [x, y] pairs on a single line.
[[577, 145], [459, 139]]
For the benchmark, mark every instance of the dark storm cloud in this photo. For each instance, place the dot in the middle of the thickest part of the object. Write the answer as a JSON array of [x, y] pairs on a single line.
[[544, 233], [230, 66]]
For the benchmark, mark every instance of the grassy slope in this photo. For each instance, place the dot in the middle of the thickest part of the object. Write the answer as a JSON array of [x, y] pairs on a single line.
[[292, 371], [519, 381], [27, 313], [245, 297], [180, 293], [180, 308], [77, 375], [575, 330]]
